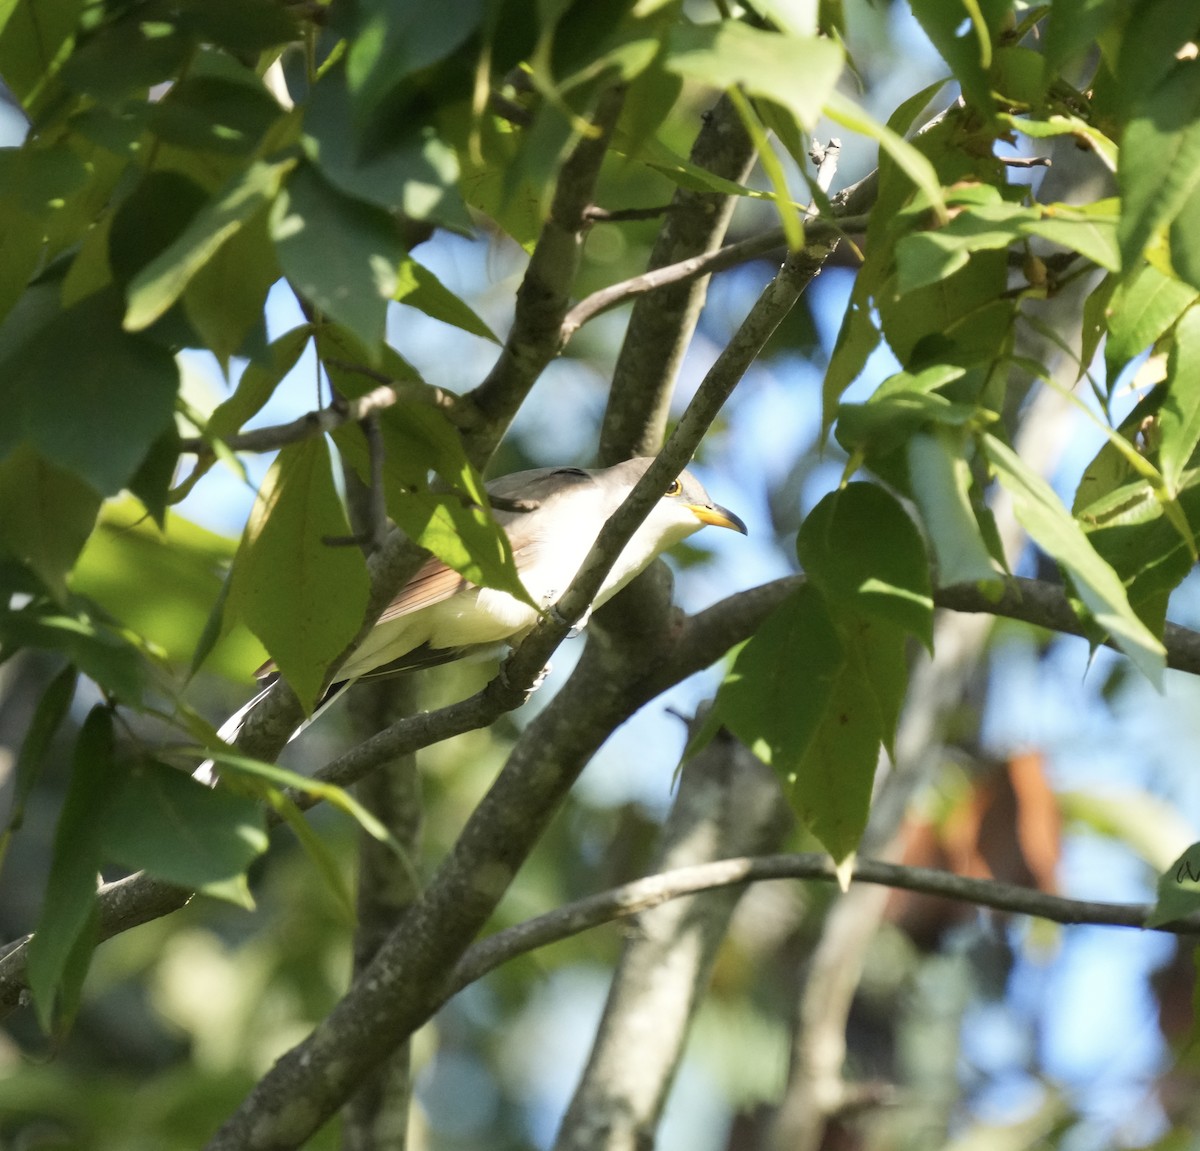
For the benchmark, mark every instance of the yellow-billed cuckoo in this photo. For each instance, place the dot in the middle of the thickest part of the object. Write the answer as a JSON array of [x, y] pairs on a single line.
[[552, 517]]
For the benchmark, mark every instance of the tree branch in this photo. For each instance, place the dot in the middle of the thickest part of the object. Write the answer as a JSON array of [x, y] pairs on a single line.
[[404, 983], [644, 894], [686, 271], [728, 801], [1045, 604], [699, 641], [545, 290], [323, 420], [659, 330]]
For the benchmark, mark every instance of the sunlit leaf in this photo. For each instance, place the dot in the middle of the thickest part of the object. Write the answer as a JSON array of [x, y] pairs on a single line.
[[798, 72], [1048, 523], [859, 546], [302, 596], [161, 282], [46, 515], [1159, 167], [941, 482]]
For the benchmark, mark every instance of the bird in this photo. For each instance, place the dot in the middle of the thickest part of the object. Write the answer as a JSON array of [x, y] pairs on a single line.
[[552, 517]]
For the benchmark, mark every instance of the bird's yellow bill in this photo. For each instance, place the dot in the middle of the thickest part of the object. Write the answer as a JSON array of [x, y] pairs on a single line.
[[718, 517]]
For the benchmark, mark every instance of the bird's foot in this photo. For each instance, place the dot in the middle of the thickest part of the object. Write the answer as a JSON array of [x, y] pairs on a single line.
[[528, 691]]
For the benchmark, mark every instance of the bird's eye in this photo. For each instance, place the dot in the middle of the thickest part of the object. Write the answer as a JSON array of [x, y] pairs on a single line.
[[674, 488]]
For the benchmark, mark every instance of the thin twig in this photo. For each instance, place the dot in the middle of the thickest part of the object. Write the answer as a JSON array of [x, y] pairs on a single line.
[[643, 894], [599, 215], [692, 269], [323, 420], [1025, 161]]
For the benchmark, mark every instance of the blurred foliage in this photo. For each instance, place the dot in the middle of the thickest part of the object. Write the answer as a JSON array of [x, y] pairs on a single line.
[[186, 162]]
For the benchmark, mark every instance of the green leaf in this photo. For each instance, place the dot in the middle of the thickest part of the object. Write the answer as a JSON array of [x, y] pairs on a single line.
[[776, 692], [304, 598], [212, 112], [1018, 75], [963, 37], [1159, 167], [161, 583], [456, 525], [927, 257], [963, 319], [1184, 239], [1178, 889], [1086, 134], [70, 901], [35, 39], [129, 55], [151, 483], [242, 26], [1142, 309], [415, 176], [93, 406], [1091, 231], [340, 254], [941, 483], [798, 72], [397, 38], [168, 824], [46, 515], [1051, 527], [162, 281], [857, 338], [37, 184], [150, 219], [1095, 323], [419, 288], [814, 696], [859, 546], [257, 773], [47, 719], [328, 865], [685, 174], [107, 656], [258, 382], [1179, 415], [1072, 28], [832, 785], [224, 301], [901, 405]]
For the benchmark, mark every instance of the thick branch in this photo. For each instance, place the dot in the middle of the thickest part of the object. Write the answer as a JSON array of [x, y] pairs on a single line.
[[405, 982], [545, 292], [660, 330]]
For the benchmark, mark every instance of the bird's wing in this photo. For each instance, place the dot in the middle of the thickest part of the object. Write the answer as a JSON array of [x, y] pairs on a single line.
[[433, 583]]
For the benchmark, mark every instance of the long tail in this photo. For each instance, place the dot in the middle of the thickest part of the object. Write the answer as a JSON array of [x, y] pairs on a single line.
[[208, 774]]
